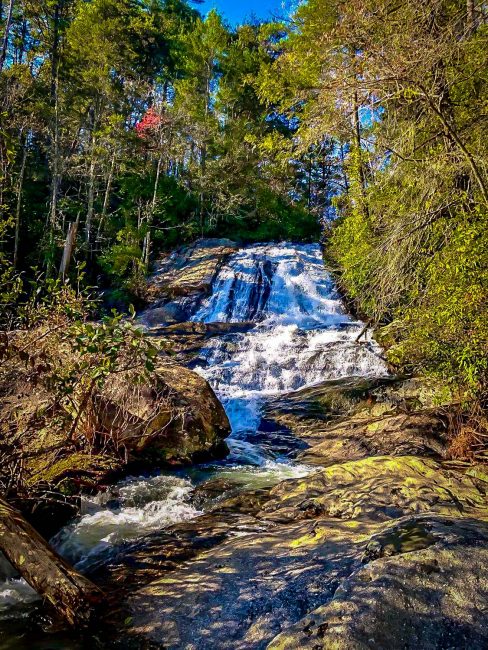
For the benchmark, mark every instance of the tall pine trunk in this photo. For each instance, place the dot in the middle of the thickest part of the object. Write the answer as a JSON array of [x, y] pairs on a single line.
[[18, 207], [358, 147]]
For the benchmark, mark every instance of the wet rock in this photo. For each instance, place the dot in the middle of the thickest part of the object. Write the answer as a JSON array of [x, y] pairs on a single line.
[[186, 340], [432, 596], [167, 314], [206, 493], [249, 502], [134, 565]]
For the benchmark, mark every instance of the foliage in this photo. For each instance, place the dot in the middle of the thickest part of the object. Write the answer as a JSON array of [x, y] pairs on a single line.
[[61, 360], [402, 91], [140, 122]]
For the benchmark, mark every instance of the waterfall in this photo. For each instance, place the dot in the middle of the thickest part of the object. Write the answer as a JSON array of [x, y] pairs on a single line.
[[303, 335]]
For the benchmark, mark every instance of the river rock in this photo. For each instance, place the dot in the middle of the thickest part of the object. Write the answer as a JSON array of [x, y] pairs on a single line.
[[134, 565], [431, 594], [175, 420], [378, 489], [423, 433], [186, 340], [316, 533], [354, 418], [353, 396]]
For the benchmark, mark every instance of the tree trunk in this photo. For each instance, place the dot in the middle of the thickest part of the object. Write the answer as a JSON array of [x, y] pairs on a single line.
[[91, 181], [470, 17], [106, 198], [8, 23], [73, 596], [357, 140], [55, 148], [55, 165], [146, 251], [91, 204], [18, 207], [69, 245]]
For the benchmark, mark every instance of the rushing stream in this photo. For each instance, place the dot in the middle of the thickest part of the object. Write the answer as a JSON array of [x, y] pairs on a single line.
[[302, 336]]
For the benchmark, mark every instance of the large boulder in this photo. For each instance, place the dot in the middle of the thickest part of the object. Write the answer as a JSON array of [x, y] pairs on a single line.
[[175, 420], [428, 591], [182, 279], [171, 418]]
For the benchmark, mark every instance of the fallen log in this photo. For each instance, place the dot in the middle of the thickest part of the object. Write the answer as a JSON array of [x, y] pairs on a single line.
[[71, 594]]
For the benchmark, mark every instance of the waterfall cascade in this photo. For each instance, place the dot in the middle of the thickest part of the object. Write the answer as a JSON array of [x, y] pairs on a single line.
[[303, 334]]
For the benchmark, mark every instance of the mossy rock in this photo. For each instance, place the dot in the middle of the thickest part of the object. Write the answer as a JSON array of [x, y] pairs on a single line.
[[378, 488]]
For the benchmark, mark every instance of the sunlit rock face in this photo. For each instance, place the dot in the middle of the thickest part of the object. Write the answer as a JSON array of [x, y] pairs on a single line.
[[181, 280]]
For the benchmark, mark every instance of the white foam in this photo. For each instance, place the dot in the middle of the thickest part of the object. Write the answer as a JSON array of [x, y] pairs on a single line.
[[303, 337], [141, 506]]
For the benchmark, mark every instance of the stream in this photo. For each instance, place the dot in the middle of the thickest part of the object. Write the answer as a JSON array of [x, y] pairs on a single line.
[[302, 336]]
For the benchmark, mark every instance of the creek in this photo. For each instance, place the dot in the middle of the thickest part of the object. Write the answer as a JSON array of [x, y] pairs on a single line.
[[302, 335]]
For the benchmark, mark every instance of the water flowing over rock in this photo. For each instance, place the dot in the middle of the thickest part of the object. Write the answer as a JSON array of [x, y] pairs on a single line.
[[302, 335], [319, 530], [336, 521]]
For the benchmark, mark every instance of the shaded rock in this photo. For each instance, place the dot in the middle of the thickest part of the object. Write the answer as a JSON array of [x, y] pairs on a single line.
[[241, 593], [205, 493], [176, 420], [248, 502], [376, 489], [432, 596], [186, 340], [221, 495], [136, 564], [203, 330], [354, 396], [167, 314]]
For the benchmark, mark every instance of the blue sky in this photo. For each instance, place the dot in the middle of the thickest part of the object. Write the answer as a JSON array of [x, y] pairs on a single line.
[[236, 12]]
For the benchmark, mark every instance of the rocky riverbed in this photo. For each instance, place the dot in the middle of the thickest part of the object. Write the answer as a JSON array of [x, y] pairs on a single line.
[[338, 520]]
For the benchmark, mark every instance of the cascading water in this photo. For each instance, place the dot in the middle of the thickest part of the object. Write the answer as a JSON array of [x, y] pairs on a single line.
[[301, 336]]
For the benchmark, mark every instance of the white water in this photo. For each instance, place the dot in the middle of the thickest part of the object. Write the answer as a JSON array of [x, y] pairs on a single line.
[[303, 336], [133, 508]]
